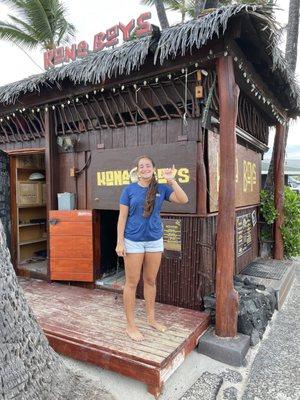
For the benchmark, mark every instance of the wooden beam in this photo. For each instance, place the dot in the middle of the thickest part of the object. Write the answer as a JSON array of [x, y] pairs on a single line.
[[226, 295], [279, 153]]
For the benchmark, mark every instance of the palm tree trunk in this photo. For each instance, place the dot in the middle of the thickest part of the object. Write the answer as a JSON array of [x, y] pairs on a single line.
[[199, 6], [291, 58], [29, 368], [183, 11], [161, 13], [212, 4], [292, 34]]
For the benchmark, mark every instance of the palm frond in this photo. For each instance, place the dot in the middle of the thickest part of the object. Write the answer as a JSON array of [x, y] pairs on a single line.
[[147, 2], [45, 20], [14, 34], [20, 23]]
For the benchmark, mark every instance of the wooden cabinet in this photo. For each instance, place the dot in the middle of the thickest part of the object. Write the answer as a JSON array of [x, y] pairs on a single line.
[[74, 245], [30, 210]]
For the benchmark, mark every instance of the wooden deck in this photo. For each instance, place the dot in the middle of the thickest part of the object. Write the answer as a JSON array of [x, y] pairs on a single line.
[[88, 325]]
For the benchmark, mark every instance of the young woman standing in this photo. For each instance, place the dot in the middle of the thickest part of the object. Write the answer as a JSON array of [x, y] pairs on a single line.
[[140, 237]]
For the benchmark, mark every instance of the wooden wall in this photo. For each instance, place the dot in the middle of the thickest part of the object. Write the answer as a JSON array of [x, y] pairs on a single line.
[[183, 282], [161, 132]]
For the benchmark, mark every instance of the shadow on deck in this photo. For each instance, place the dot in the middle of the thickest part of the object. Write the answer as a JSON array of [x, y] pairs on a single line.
[[88, 325]]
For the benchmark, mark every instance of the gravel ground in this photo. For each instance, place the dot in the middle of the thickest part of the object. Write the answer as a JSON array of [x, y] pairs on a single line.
[[275, 372]]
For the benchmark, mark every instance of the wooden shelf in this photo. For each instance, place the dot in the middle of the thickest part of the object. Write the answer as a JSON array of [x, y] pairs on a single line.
[[32, 241], [31, 205], [32, 224], [32, 168]]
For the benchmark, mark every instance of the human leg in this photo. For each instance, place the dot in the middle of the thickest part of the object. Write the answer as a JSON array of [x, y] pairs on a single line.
[[150, 269], [133, 265]]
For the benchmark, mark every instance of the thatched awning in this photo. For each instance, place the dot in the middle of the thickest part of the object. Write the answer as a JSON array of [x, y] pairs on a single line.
[[175, 41]]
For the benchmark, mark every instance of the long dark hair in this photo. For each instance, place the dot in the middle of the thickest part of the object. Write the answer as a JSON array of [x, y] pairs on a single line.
[[152, 189]]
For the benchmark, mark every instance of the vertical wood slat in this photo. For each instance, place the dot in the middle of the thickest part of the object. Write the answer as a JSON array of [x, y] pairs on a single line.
[[159, 132], [66, 182], [201, 181], [131, 136], [51, 161], [81, 189], [144, 135], [226, 295]]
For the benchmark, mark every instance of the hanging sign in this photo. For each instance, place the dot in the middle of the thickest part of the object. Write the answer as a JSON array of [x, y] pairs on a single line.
[[110, 173], [244, 224], [111, 37], [247, 178]]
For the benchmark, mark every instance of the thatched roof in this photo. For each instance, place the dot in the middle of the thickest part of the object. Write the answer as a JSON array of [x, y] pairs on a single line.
[[174, 41]]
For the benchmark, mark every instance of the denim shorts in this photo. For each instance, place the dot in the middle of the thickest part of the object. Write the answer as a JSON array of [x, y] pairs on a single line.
[[152, 246]]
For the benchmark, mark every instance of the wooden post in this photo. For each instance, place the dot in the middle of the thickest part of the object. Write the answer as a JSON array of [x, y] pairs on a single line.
[[226, 295], [279, 153], [52, 176], [51, 161]]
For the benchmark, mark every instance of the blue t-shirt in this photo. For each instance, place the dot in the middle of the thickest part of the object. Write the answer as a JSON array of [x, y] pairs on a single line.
[[139, 228]]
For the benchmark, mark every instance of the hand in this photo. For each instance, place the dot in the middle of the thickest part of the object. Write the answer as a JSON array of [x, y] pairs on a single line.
[[120, 250], [169, 174]]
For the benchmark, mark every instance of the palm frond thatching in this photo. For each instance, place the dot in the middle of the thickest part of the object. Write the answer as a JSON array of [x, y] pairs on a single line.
[[94, 68], [173, 41]]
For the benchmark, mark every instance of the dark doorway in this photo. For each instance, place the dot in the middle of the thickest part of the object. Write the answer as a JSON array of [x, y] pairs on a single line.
[[112, 266]]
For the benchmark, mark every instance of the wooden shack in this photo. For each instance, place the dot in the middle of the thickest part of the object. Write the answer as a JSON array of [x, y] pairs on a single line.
[[201, 95]]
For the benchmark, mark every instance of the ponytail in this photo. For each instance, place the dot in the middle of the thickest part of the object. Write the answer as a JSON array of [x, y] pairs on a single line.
[[150, 198]]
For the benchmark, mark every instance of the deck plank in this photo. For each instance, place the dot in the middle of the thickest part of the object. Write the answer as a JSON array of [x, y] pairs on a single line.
[[89, 325]]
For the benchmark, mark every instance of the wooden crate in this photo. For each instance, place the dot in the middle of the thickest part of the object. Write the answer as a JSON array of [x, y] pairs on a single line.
[[29, 193]]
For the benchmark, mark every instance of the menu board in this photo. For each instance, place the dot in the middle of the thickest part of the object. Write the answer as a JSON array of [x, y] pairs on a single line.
[[172, 237], [5, 194], [244, 224]]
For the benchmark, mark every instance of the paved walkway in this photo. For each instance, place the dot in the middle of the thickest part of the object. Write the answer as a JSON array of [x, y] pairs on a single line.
[[275, 372]]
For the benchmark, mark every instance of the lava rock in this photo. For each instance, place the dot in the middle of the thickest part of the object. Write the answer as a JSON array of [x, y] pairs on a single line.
[[254, 338]]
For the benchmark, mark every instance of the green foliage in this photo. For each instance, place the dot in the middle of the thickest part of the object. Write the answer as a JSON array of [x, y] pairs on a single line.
[[269, 214], [187, 7], [267, 207], [291, 226], [36, 23]]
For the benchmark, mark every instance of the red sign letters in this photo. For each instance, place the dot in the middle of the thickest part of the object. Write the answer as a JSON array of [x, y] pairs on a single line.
[[140, 27]]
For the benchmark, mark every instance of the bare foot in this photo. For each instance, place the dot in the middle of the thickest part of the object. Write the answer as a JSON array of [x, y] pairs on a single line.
[[134, 333], [156, 325]]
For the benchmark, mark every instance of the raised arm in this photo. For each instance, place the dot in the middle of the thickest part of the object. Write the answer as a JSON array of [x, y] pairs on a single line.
[[179, 195]]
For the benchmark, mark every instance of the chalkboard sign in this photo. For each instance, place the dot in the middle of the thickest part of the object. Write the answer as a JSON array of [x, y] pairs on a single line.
[[5, 195], [244, 226], [172, 237]]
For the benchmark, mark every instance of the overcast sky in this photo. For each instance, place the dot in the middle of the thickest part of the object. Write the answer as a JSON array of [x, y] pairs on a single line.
[[93, 16]]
